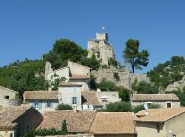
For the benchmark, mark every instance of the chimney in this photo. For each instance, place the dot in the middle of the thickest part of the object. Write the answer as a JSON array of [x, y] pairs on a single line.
[[75, 109]]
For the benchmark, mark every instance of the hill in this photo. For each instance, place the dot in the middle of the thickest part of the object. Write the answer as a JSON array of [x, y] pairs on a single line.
[[168, 72]]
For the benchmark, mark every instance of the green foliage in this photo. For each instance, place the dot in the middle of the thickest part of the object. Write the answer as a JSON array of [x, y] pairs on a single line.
[[64, 107], [64, 50], [181, 96], [183, 89], [43, 132], [135, 84], [168, 72], [22, 76], [116, 76], [93, 84], [64, 127], [119, 107], [138, 108], [91, 62], [106, 85], [124, 94], [146, 88], [141, 107], [113, 62], [133, 56]]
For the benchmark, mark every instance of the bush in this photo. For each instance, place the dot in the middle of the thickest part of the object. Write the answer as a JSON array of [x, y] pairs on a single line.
[[106, 85], [64, 107], [124, 94], [119, 107], [141, 107], [146, 88]]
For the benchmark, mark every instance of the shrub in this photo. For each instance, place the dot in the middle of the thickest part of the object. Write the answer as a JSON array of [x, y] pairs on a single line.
[[146, 88], [106, 85], [64, 107], [124, 94], [64, 127], [119, 107], [141, 107]]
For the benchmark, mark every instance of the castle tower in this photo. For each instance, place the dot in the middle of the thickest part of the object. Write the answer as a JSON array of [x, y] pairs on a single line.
[[101, 48]]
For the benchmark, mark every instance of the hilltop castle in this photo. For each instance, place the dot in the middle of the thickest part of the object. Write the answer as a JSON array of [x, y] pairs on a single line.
[[101, 48]]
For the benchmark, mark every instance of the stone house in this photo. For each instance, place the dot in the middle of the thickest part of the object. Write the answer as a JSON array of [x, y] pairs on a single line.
[[70, 93], [74, 73], [42, 100], [15, 120], [164, 100], [114, 124], [8, 97], [164, 122]]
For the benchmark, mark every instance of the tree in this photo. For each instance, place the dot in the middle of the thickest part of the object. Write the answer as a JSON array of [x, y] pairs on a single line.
[[133, 56], [119, 107], [64, 127], [146, 88], [124, 94]]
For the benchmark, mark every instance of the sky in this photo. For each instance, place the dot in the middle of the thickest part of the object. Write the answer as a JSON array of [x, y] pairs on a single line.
[[29, 28]]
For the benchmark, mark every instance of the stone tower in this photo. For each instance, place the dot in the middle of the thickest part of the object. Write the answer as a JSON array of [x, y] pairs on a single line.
[[101, 48]]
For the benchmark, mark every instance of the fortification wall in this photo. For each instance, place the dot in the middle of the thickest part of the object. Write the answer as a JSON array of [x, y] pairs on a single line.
[[125, 77]]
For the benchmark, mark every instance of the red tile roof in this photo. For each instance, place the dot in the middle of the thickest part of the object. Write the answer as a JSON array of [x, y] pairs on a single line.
[[52, 95], [113, 123], [90, 98], [154, 97], [159, 115], [76, 122]]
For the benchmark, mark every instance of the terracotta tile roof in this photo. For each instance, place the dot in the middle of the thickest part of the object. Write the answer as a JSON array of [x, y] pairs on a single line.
[[113, 123], [76, 122], [53, 95], [154, 97], [8, 115], [160, 115], [90, 98], [74, 76], [69, 84]]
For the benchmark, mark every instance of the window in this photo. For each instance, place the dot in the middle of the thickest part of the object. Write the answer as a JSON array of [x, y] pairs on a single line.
[[6, 97], [36, 104], [149, 104], [168, 104], [173, 135], [48, 104], [74, 100]]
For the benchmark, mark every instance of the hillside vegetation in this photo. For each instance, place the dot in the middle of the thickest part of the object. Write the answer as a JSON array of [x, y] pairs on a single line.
[[168, 72]]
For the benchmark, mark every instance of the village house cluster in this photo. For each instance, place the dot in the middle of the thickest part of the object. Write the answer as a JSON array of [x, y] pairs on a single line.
[[38, 109]]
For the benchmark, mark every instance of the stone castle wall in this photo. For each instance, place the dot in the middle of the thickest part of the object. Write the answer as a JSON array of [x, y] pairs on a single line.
[[126, 78]]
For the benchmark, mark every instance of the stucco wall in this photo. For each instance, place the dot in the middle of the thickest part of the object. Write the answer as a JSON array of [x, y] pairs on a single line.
[[78, 69], [7, 92], [149, 129], [162, 104], [7, 133], [44, 108], [175, 126], [67, 93], [83, 82]]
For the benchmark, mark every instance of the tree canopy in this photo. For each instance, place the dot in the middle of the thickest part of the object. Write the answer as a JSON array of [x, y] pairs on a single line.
[[133, 56]]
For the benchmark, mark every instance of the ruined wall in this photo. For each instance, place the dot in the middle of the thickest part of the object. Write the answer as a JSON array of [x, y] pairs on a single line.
[[126, 78]]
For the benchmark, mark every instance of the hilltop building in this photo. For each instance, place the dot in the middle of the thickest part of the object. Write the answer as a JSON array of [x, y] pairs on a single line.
[[101, 48], [74, 73]]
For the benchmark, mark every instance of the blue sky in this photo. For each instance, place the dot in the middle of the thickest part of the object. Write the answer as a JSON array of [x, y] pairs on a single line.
[[28, 29]]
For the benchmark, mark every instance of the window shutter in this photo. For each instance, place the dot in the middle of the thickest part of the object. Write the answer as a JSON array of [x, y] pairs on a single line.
[[40, 104], [33, 104], [46, 104], [51, 104]]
